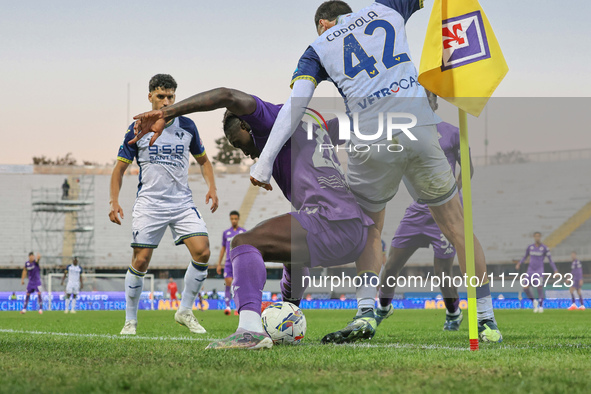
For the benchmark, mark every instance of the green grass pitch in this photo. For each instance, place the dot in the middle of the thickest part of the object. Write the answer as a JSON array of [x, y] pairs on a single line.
[[549, 352]]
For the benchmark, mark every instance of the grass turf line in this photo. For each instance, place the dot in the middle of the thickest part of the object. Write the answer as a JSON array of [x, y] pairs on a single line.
[[547, 352]]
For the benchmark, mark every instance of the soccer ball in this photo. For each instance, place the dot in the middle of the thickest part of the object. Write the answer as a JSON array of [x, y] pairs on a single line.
[[285, 323]]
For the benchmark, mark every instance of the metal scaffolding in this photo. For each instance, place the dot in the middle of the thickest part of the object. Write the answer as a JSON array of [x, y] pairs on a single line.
[[62, 223]]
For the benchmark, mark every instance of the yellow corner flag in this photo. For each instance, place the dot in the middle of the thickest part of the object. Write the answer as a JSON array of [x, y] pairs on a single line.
[[461, 61], [463, 64]]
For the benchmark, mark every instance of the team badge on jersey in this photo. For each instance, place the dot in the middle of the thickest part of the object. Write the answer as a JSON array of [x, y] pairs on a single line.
[[464, 40]]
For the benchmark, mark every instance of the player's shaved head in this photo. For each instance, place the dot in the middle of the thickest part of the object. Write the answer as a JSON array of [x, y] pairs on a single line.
[[330, 10], [233, 124], [238, 134], [163, 81]]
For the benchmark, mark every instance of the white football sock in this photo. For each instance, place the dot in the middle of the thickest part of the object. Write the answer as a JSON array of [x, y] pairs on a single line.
[[250, 321], [484, 308], [67, 303], [73, 304], [484, 305], [134, 284], [366, 293], [194, 278]]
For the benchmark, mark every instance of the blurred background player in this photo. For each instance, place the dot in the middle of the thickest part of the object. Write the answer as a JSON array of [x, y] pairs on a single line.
[[33, 271], [164, 199], [577, 273], [227, 237], [365, 54], [74, 285], [419, 230], [536, 252], [172, 289]]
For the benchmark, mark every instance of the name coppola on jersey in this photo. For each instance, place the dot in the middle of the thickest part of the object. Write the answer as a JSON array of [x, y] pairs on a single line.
[[396, 123], [359, 22]]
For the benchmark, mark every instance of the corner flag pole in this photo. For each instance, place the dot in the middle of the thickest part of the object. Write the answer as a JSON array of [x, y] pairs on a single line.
[[468, 228]]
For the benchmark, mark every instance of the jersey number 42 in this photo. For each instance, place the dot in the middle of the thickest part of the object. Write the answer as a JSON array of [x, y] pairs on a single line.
[[365, 62]]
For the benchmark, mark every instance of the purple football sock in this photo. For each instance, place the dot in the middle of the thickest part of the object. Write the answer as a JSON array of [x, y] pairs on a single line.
[[385, 297], [228, 296], [572, 296], [581, 299], [250, 276], [292, 283], [452, 305], [528, 293], [28, 296]]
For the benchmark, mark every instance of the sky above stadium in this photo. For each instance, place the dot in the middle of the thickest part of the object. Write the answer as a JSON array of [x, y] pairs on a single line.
[[66, 66]]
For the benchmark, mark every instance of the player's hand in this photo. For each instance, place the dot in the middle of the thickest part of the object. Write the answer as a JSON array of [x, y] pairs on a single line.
[[556, 272], [219, 269], [148, 122], [213, 196], [38, 256], [116, 212], [255, 175], [81, 286], [265, 186], [22, 282]]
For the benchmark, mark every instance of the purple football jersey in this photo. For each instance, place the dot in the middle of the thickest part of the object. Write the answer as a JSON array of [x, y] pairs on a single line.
[[577, 271], [314, 182], [33, 272], [537, 254], [227, 237]]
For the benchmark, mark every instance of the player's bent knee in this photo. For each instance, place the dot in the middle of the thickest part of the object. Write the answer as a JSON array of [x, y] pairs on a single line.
[[201, 255]]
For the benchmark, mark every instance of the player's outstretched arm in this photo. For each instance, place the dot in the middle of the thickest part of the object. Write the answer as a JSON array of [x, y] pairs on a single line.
[[64, 277], [207, 172], [23, 276], [233, 100], [287, 121], [116, 212]]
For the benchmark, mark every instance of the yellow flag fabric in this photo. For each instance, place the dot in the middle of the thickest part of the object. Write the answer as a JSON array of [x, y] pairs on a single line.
[[461, 61]]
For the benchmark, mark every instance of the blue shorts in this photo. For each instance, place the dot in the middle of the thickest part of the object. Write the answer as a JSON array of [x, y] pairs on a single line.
[[332, 242]]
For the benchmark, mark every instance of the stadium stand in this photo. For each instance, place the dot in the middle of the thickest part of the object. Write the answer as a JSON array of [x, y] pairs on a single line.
[[510, 202]]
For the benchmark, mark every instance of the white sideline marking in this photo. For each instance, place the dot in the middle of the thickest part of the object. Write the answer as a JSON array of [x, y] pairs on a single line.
[[106, 336], [405, 346]]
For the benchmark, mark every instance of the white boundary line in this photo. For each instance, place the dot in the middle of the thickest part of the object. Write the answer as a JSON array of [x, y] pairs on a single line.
[[105, 336], [191, 339], [401, 346]]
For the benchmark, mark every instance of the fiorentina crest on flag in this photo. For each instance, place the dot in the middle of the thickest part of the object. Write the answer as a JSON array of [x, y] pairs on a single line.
[[464, 40]]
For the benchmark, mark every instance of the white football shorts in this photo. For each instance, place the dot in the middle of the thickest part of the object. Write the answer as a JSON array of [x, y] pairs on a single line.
[[374, 175], [148, 226]]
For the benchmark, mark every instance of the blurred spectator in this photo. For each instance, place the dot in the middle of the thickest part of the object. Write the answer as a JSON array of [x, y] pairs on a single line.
[[65, 189]]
